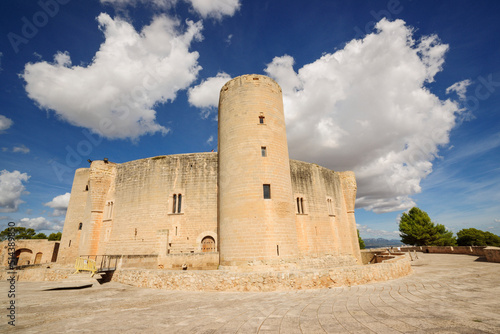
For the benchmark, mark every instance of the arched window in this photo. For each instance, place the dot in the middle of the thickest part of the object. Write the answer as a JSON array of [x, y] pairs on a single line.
[[180, 203], [298, 205], [175, 203], [302, 205]]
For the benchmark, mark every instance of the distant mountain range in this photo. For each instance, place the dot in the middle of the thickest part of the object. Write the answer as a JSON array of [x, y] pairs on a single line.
[[381, 242]]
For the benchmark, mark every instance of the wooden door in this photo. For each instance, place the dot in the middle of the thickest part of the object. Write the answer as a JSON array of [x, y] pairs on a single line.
[[208, 245]]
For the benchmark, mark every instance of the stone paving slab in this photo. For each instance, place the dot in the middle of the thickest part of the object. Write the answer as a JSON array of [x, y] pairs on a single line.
[[446, 294]]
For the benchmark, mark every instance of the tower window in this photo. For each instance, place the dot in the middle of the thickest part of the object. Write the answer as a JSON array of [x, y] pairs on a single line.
[[300, 205], [329, 204], [177, 203], [261, 119], [80, 226], [263, 151], [109, 210], [267, 191]]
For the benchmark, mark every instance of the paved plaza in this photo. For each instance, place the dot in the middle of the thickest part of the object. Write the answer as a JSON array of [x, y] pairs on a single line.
[[445, 294]]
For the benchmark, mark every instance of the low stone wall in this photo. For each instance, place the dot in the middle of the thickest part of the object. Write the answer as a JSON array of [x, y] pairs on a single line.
[[196, 261], [135, 261], [471, 250], [220, 280], [33, 251], [492, 254], [38, 274]]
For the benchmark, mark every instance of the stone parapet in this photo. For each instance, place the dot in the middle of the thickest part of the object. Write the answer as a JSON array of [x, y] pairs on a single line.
[[471, 250], [38, 274], [218, 280], [492, 254]]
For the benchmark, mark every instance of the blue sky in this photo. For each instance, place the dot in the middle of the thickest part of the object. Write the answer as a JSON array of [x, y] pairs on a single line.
[[405, 93]]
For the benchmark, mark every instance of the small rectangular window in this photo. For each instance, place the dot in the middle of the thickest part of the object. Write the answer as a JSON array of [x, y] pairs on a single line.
[[263, 151], [261, 119], [267, 191]]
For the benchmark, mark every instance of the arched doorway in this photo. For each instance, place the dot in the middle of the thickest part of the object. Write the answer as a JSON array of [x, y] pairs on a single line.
[[38, 258], [23, 256], [208, 244]]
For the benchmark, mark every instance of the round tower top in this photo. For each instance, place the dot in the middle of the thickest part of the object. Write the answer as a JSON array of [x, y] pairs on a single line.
[[256, 79]]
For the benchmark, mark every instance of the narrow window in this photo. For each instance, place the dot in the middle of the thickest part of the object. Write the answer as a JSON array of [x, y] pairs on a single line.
[[298, 205], [263, 151], [261, 119], [301, 205], [329, 204], [109, 211], [175, 203], [267, 191], [80, 226], [69, 244], [176, 230], [278, 250], [180, 203], [87, 187]]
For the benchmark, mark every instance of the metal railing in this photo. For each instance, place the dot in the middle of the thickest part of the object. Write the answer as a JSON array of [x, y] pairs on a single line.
[[103, 262], [83, 264]]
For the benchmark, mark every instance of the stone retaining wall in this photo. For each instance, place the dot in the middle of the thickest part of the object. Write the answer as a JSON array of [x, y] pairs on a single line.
[[196, 261], [492, 254], [38, 274], [219, 280], [471, 250]]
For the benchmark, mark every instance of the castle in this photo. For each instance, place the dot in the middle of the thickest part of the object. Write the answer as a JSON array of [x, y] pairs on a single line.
[[244, 207]]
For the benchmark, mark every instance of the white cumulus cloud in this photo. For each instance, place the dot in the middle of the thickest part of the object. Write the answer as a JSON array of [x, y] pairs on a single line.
[[21, 149], [206, 95], [11, 189], [215, 8], [41, 223], [366, 108], [133, 71], [59, 204], [205, 8], [5, 123]]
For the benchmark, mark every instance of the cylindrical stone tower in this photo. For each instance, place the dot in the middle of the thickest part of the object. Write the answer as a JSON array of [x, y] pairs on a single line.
[[256, 210]]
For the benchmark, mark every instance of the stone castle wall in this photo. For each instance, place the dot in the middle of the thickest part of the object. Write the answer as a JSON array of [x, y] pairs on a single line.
[[323, 225], [144, 221], [137, 218], [31, 251]]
